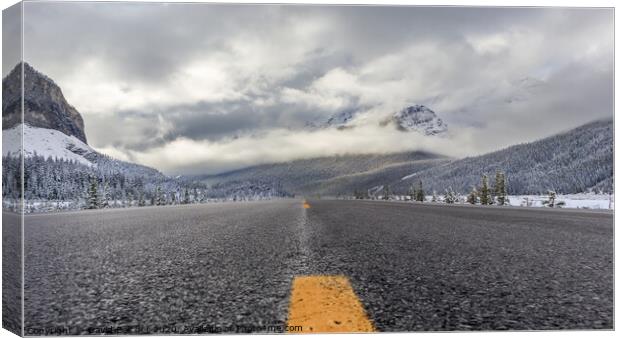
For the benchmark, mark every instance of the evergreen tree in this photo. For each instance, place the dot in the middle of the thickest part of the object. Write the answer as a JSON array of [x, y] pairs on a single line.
[[449, 196], [105, 195], [186, 197], [434, 199], [93, 195], [129, 199], [472, 198], [159, 199], [550, 202], [485, 194], [420, 193], [386, 192], [500, 187], [412, 193], [360, 194], [141, 201]]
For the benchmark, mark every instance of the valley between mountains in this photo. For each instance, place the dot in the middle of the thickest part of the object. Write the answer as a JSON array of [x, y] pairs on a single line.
[[64, 172]]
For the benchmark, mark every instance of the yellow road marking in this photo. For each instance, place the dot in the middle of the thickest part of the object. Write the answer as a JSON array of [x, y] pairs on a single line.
[[326, 304], [306, 205]]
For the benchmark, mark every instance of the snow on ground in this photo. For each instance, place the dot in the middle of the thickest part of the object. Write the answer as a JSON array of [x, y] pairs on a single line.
[[581, 201], [572, 201], [45, 142]]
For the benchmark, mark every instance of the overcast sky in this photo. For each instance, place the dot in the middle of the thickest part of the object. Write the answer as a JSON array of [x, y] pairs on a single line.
[[198, 88]]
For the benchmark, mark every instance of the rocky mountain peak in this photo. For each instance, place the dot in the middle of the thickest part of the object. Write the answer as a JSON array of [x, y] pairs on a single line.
[[419, 118], [44, 104]]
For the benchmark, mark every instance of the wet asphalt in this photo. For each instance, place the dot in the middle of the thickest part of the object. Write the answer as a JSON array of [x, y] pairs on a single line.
[[228, 267]]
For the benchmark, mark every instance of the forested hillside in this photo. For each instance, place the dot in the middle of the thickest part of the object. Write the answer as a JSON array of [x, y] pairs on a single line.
[[579, 160], [331, 175]]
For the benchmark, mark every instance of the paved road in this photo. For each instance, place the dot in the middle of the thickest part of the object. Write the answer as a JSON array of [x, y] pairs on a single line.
[[414, 267], [11, 272]]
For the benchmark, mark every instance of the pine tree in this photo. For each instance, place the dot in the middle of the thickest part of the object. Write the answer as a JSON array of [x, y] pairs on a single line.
[[186, 197], [485, 194], [450, 196], [500, 187], [434, 199], [386, 192], [420, 193], [158, 196], [550, 202], [141, 201], [412, 193], [93, 195], [472, 198], [130, 199], [105, 195]]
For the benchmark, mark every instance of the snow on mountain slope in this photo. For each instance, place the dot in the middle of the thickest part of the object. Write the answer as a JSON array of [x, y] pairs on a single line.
[[340, 120], [47, 143], [416, 118], [576, 161], [421, 119]]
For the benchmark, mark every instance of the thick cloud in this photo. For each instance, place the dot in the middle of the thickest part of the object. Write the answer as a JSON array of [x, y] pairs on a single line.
[[199, 87]]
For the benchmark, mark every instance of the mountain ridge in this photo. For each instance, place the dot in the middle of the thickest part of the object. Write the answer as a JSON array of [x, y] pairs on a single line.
[[418, 118], [573, 161], [524, 165]]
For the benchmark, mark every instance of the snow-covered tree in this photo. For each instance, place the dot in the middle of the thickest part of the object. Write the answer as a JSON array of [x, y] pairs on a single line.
[[412, 193], [485, 193], [386, 192], [159, 198], [186, 198], [472, 198], [419, 195], [450, 196], [93, 195], [500, 187], [141, 201], [129, 199], [105, 195], [550, 202]]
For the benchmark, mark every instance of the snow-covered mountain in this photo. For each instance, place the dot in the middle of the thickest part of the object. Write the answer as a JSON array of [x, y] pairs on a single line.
[[51, 143], [341, 120], [579, 160], [419, 118], [416, 118], [53, 128], [60, 168], [332, 175], [575, 161], [45, 142]]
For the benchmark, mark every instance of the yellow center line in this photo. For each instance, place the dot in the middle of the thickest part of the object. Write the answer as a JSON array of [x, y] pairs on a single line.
[[326, 304]]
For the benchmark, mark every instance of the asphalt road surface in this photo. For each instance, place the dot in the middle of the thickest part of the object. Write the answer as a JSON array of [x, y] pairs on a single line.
[[413, 267]]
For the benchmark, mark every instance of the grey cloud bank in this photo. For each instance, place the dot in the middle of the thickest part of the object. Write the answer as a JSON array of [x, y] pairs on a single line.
[[196, 88]]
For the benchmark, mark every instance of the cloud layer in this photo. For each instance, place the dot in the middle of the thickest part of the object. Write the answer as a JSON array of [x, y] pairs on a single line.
[[194, 88]]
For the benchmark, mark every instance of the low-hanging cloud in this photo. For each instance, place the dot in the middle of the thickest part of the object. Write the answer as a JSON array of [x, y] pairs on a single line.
[[198, 88]]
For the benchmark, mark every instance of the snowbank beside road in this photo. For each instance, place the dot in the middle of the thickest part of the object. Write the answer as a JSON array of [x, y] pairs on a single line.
[[581, 201]]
